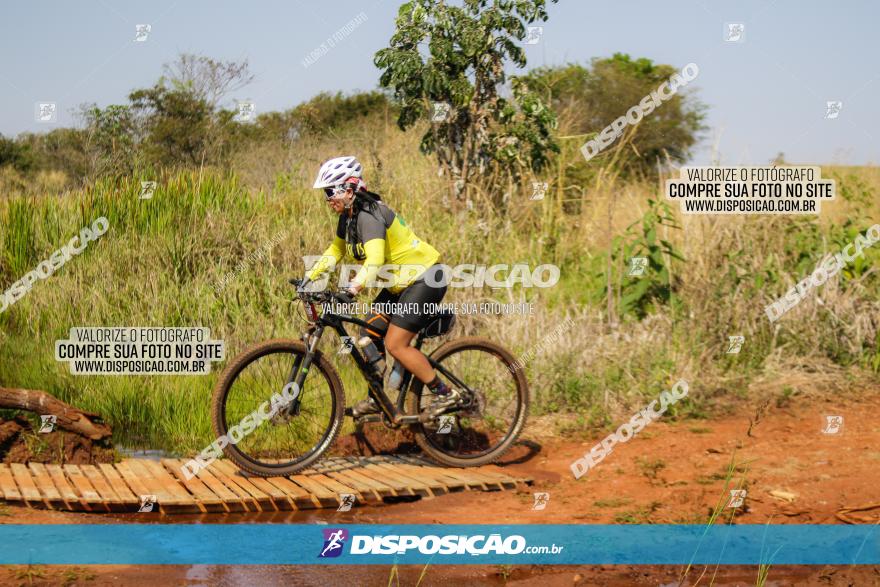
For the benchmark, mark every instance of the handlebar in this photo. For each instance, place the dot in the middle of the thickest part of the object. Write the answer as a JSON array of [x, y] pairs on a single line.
[[318, 297]]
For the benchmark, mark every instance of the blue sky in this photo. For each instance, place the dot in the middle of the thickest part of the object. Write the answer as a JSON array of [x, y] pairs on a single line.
[[766, 94]]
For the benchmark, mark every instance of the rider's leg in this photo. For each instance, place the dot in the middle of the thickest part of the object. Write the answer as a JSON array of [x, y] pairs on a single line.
[[379, 319], [418, 307], [379, 322], [397, 342]]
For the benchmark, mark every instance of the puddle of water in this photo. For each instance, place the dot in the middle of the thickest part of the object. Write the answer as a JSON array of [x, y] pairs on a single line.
[[151, 454]]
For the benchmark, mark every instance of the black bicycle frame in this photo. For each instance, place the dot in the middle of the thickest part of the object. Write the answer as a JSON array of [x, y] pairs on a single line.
[[375, 385]]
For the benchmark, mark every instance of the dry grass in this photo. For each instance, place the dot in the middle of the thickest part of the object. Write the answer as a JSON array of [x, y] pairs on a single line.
[[161, 260]]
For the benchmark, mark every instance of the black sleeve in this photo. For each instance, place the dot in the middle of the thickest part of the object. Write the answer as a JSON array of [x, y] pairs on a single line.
[[370, 226], [340, 227]]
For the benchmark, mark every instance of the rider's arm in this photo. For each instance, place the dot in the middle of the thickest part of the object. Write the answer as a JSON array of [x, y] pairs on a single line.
[[371, 227], [328, 259]]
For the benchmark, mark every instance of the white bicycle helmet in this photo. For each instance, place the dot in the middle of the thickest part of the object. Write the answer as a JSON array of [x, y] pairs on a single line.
[[335, 171]]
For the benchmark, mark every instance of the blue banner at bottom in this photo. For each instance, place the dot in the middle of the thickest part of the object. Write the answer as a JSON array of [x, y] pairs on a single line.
[[299, 544]]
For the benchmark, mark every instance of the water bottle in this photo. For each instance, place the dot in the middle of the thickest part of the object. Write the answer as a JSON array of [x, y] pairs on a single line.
[[396, 377], [372, 354]]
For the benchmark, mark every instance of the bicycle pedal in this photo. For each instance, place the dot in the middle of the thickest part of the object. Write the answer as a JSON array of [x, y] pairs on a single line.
[[368, 418], [365, 407]]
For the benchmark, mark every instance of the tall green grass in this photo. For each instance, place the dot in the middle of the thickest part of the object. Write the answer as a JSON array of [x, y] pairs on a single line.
[[162, 259]]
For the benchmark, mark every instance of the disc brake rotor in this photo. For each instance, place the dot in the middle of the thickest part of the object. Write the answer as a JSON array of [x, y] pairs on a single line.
[[477, 405], [281, 417]]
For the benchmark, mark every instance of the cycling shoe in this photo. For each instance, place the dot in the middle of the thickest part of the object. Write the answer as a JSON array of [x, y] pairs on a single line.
[[364, 407]]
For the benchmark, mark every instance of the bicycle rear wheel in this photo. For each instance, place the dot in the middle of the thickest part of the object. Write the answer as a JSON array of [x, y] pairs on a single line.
[[280, 444], [482, 433]]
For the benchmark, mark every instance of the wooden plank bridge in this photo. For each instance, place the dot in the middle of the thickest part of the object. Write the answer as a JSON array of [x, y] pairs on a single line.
[[339, 482]]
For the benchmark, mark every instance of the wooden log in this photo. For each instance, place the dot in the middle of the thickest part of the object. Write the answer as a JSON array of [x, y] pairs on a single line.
[[69, 418], [9, 430]]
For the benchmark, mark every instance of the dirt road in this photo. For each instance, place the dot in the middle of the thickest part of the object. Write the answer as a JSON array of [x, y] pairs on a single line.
[[669, 473]]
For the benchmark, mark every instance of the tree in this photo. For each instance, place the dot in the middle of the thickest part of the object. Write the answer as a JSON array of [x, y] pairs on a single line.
[[587, 99], [61, 149], [176, 123], [207, 79], [323, 113], [16, 155], [453, 57], [112, 138], [181, 114]]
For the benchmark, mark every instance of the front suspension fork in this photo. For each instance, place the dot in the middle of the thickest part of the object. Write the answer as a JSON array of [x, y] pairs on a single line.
[[301, 368]]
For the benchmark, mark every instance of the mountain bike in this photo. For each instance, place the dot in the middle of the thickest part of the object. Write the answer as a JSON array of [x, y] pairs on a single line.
[[477, 429]]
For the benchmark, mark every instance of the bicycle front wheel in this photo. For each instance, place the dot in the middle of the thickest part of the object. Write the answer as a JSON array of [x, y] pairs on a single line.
[[280, 444], [482, 432]]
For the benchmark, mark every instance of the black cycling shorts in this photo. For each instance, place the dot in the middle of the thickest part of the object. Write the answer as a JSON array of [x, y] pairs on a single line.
[[411, 304]]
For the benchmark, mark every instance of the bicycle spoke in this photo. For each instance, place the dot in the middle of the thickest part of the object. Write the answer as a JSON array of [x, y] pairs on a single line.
[[276, 438], [478, 431]]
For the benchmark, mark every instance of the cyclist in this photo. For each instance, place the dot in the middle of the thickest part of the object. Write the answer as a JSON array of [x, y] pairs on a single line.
[[369, 231]]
